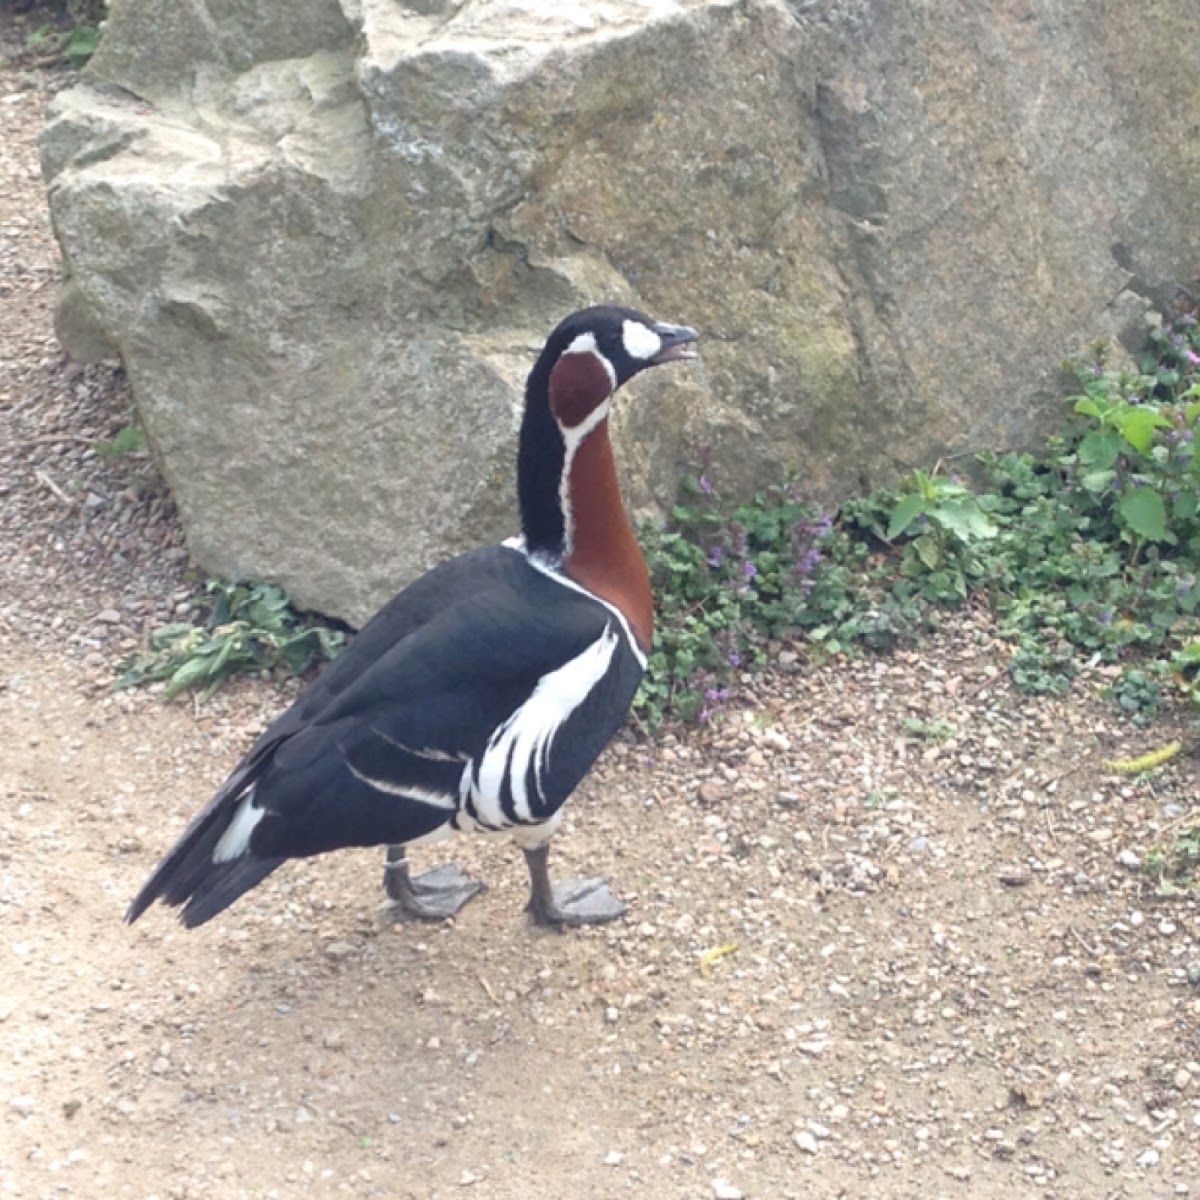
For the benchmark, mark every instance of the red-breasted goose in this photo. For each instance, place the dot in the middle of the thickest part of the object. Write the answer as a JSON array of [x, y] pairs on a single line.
[[477, 698]]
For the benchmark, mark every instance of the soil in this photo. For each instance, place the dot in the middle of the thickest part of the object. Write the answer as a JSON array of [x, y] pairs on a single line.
[[888, 936]]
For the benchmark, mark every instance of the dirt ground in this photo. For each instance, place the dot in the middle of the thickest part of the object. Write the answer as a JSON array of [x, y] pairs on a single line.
[[942, 972]]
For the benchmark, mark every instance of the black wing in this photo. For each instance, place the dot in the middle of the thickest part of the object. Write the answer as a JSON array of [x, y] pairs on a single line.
[[374, 751]]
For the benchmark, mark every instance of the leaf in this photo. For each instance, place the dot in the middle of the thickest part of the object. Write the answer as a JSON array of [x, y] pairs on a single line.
[[1099, 449], [188, 676], [1097, 481], [965, 519], [1143, 511], [1138, 423], [1085, 406], [1185, 505], [128, 440], [928, 552], [907, 510], [81, 44]]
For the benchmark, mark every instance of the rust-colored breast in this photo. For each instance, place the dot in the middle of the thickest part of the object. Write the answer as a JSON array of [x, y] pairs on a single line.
[[605, 556]]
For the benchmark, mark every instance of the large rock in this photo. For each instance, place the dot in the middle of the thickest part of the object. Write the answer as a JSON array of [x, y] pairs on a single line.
[[326, 245]]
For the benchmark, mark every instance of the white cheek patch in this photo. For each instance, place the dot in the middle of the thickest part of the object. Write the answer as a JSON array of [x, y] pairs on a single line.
[[640, 342]]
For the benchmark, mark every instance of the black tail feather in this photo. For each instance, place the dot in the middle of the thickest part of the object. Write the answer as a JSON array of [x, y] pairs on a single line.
[[222, 885], [188, 876]]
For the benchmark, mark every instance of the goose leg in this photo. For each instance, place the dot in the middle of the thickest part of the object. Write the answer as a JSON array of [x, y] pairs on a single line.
[[431, 896], [571, 902]]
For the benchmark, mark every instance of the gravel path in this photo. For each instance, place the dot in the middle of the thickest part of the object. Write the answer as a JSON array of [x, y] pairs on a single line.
[[861, 962]]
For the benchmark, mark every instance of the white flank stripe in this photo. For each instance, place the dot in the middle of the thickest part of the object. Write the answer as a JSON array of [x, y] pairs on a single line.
[[235, 841], [428, 752], [409, 791], [640, 341], [527, 736]]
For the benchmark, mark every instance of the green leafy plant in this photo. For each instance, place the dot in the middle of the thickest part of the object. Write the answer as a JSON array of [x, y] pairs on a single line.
[[937, 730], [1089, 552], [1186, 671], [129, 439], [73, 37], [249, 627], [1174, 865], [1137, 694]]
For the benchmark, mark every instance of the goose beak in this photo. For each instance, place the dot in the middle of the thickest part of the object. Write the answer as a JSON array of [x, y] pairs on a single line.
[[677, 343]]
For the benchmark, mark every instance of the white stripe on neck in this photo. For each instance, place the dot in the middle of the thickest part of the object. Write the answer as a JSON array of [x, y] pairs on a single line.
[[572, 440]]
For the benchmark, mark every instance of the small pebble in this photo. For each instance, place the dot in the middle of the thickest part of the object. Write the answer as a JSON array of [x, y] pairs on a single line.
[[723, 1190]]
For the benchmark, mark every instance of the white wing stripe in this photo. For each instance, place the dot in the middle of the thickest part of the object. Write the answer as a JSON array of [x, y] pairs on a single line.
[[526, 736], [409, 791], [430, 752], [235, 841]]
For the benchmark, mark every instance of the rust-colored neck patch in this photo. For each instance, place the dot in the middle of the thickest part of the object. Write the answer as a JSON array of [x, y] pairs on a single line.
[[604, 554], [579, 384]]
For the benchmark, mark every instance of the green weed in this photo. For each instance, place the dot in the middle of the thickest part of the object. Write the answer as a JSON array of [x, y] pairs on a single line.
[[1089, 552], [248, 628], [1174, 866]]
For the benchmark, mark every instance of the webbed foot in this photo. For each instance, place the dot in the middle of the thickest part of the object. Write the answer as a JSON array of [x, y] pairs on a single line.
[[434, 895], [572, 902]]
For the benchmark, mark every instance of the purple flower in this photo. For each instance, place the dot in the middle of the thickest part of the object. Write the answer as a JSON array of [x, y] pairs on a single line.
[[735, 659], [808, 561], [749, 570], [716, 556], [705, 486], [1192, 357], [1106, 617]]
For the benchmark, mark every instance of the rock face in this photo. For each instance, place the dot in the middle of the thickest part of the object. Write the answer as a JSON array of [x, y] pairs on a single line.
[[327, 246]]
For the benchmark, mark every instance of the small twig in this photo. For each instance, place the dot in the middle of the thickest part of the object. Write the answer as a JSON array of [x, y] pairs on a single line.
[[49, 439], [1095, 953], [708, 957], [44, 478], [985, 683], [1186, 820], [1050, 827]]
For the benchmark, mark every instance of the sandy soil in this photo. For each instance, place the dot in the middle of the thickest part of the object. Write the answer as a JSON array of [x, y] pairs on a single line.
[[944, 974]]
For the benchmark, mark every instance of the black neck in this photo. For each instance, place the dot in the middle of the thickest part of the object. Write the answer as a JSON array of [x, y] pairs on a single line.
[[540, 459]]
